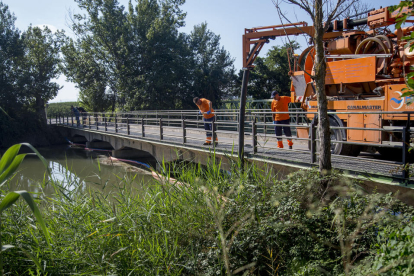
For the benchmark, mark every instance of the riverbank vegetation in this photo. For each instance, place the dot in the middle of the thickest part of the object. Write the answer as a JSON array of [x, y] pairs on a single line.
[[198, 220]]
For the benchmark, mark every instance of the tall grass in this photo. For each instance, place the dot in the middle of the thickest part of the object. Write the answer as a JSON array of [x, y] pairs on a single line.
[[201, 220]]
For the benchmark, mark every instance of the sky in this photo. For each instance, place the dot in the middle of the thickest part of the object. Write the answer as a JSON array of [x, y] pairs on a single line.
[[227, 18]]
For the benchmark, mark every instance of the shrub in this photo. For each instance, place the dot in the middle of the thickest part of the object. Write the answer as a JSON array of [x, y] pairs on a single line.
[[206, 222]]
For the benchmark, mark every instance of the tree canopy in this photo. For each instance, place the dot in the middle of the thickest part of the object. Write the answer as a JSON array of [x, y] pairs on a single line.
[[29, 62], [139, 59]]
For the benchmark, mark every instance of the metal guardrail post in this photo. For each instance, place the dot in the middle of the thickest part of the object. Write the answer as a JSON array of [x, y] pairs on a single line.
[[128, 129], [184, 131], [161, 133], [116, 124], [213, 136], [238, 125], [313, 143], [89, 122], [72, 119], [96, 121], [142, 128], [198, 118], [254, 135], [406, 143], [264, 121], [106, 124], [406, 146]]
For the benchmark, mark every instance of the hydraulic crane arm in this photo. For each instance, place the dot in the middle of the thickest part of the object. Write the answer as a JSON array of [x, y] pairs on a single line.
[[255, 38]]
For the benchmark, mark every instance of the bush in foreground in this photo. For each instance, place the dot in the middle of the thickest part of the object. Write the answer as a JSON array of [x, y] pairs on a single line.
[[207, 222]]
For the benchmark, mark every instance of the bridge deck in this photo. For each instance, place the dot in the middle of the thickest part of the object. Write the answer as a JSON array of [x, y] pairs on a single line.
[[366, 165]]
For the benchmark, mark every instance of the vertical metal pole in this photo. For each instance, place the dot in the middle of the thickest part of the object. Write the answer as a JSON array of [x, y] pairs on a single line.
[[184, 131], [198, 114], [116, 124], [405, 153], [72, 119], [106, 124], [406, 146], [96, 121], [213, 134], [313, 143], [142, 128], [89, 121], [242, 111], [128, 129], [161, 134], [254, 135]]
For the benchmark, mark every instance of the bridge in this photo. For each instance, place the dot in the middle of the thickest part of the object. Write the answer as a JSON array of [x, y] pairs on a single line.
[[179, 135]]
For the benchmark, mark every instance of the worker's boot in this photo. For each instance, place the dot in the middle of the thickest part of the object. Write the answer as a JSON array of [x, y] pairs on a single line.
[[208, 141], [280, 144], [290, 143]]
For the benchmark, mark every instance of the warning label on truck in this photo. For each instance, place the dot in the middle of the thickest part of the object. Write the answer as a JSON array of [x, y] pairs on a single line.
[[350, 71]]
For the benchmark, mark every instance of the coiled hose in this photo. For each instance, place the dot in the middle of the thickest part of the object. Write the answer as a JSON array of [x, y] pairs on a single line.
[[370, 40]]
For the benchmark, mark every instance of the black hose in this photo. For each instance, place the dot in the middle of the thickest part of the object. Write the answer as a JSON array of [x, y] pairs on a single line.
[[351, 24]]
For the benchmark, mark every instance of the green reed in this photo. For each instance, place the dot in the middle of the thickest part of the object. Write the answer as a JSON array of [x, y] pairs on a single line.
[[199, 220]]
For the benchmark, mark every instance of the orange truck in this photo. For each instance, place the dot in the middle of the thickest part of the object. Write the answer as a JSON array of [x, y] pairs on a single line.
[[365, 75]]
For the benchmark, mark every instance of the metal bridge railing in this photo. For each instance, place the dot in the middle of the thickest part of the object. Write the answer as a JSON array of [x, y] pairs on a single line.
[[185, 125]]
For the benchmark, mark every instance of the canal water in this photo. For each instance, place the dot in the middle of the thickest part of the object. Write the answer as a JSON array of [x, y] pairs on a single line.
[[76, 168]]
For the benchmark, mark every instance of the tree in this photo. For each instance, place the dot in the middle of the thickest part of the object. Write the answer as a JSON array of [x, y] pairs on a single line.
[[89, 75], [11, 49], [38, 67], [161, 57], [100, 50], [321, 13], [212, 68], [139, 55], [28, 63]]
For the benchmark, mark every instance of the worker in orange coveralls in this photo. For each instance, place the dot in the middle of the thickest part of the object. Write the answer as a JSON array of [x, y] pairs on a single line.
[[280, 104], [207, 110]]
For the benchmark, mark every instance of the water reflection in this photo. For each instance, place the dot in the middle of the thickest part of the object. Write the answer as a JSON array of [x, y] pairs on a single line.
[[73, 168]]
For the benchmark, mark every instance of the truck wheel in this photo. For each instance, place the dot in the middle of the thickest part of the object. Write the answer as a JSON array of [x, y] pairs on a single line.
[[338, 135]]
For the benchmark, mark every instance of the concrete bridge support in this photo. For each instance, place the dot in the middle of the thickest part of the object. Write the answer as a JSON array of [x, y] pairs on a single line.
[[99, 145], [130, 153], [78, 139]]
